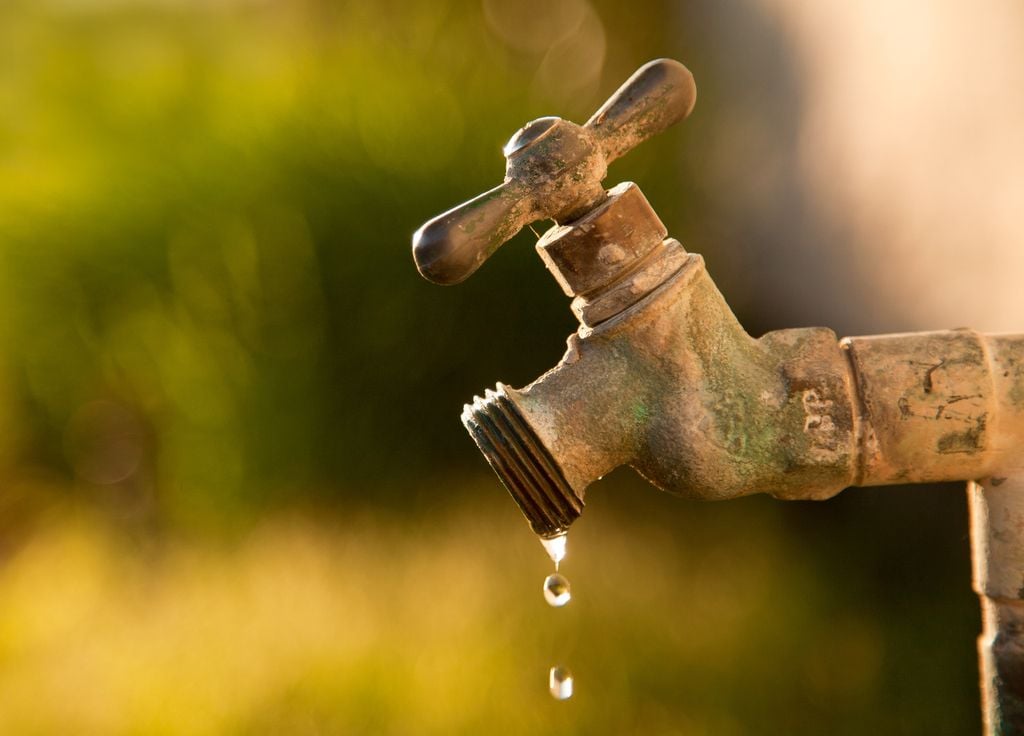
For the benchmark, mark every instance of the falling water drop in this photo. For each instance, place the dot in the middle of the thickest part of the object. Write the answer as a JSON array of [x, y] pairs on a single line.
[[560, 683], [556, 590], [557, 594], [555, 547]]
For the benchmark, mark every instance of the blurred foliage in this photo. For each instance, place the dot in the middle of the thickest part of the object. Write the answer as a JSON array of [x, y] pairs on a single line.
[[370, 627], [232, 480], [205, 214]]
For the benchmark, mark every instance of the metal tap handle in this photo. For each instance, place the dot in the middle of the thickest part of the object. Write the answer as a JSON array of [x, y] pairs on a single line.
[[553, 170], [453, 245], [659, 94]]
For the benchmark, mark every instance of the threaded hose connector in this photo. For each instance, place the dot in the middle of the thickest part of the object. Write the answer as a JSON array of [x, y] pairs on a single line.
[[522, 462]]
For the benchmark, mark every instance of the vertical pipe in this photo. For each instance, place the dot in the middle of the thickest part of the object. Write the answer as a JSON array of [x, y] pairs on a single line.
[[997, 546]]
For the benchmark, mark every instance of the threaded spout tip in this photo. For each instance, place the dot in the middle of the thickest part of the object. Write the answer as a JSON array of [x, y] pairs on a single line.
[[523, 464]]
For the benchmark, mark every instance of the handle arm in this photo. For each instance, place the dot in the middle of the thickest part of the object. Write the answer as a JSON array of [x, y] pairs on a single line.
[[661, 93], [450, 247], [553, 168]]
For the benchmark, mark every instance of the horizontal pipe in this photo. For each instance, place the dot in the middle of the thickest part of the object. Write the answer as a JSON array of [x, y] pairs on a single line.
[[937, 406]]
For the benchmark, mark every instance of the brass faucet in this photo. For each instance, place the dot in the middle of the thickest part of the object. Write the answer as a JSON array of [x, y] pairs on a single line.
[[662, 377]]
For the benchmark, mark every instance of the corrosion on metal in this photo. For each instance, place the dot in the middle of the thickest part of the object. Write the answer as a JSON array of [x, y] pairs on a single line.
[[997, 518], [661, 376], [553, 170], [674, 387]]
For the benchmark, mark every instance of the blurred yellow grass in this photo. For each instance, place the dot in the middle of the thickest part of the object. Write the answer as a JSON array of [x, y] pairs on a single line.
[[368, 625]]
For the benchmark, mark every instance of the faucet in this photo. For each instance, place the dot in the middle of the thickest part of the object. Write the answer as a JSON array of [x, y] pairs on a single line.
[[661, 376]]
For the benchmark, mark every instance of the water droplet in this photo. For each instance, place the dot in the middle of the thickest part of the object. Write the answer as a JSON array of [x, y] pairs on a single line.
[[556, 590], [555, 547], [560, 683]]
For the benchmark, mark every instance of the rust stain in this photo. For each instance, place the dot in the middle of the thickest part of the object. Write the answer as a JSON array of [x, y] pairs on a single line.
[[928, 381], [969, 441]]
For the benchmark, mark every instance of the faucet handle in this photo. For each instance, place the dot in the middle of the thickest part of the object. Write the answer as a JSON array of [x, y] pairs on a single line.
[[553, 170], [659, 94], [453, 245]]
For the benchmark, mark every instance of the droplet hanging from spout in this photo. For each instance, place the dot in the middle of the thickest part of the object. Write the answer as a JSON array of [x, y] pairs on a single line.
[[555, 547]]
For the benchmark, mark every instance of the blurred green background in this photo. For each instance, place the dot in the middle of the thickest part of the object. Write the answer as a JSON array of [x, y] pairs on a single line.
[[235, 497]]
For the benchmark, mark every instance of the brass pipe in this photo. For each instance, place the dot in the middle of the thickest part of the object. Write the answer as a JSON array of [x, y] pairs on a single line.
[[938, 406]]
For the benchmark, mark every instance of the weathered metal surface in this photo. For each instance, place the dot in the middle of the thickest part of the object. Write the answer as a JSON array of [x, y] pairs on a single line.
[[661, 376], [607, 242], [937, 405], [997, 540], [554, 170], [524, 464], [658, 95], [674, 387], [612, 257], [942, 406]]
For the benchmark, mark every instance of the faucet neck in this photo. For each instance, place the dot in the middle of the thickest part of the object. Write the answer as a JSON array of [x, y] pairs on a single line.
[[611, 257]]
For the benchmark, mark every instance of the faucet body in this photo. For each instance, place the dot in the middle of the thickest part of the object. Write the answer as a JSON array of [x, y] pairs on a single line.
[[672, 385], [662, 377]]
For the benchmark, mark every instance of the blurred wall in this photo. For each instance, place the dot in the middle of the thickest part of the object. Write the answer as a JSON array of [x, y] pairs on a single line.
[[875, 161]]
